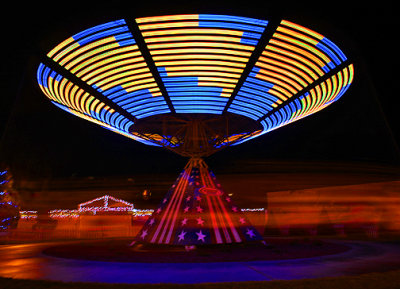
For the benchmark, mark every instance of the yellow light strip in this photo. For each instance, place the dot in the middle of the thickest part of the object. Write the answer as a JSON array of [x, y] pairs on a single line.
[[299, 51], [294, 63], [98, 108], [306, 46], [283, 76], [319, 93], [66, 94], [311, 103], [200, 56], [77, 98], [202, 67], [74, 61], [218, 79], [106, 54], [121, 74], [351, 73], [201, 62], [155, 89], [60, 46], [50, 87], [282, 71], [168, 25], [203, 73], [317, 100], [303, 29], [73, 96], [61, 87], [132, 80], [278, 94], [93, 106], [83, 49], [186, 31], [101, 67], [277, 81], [82, 95], [65, 51], [192, 38], [87, 104], [141, 66], [167, 18], [46, 92], [201, 44], [286, 66], [297, 57], [219, 84], [227, 90], [201, 50], [330, 90], [298, 35]]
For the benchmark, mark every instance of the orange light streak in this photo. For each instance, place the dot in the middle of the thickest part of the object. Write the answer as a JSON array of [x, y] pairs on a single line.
[[303, 29], [201, 44], [293, 62], [186, 31], [192, 38], [201, 62], [200, 50], [167, 18], [200, 56], [202, 67], [299, 58]]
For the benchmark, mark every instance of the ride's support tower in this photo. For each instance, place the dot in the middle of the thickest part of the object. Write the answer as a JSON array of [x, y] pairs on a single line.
[[196, 211]]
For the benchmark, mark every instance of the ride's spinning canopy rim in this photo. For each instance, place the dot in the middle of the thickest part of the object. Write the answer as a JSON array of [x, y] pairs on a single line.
[[194, 83]]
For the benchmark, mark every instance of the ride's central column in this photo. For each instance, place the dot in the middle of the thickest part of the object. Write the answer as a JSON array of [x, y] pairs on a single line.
[[196, 211]]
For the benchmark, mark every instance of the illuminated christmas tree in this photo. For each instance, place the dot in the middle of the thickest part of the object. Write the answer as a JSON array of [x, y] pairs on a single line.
[[9, 208]]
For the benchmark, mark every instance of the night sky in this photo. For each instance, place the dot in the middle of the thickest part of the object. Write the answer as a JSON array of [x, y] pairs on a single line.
[[39, 139]]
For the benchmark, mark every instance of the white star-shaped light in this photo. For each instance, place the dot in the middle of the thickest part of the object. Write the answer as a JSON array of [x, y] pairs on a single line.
[[200, 236], [200, 221], [144, 234], [181, 236], [184, 221], [250, 233]]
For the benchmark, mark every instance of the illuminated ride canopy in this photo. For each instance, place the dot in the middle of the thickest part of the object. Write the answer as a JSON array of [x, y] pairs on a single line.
[[195, 84]]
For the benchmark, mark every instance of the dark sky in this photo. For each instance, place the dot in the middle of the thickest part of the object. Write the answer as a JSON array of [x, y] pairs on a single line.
[[39, 139]]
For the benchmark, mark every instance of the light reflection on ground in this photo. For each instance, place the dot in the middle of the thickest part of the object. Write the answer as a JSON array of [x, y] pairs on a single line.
[[27, 262]]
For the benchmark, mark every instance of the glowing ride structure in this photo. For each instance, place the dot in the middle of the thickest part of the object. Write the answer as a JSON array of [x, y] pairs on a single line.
[[195, 84]]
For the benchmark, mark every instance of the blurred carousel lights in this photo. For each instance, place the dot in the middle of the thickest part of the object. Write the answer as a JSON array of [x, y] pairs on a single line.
[[62, 214], [102, 204], [28, 215]]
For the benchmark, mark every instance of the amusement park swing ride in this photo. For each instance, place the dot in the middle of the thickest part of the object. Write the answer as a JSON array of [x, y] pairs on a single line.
[[195, 84]]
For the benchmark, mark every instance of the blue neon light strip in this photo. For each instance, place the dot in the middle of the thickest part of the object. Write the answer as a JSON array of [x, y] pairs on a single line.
[[137, 102], [100, 35], [334, 47], [98, 28], [239, 19]]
